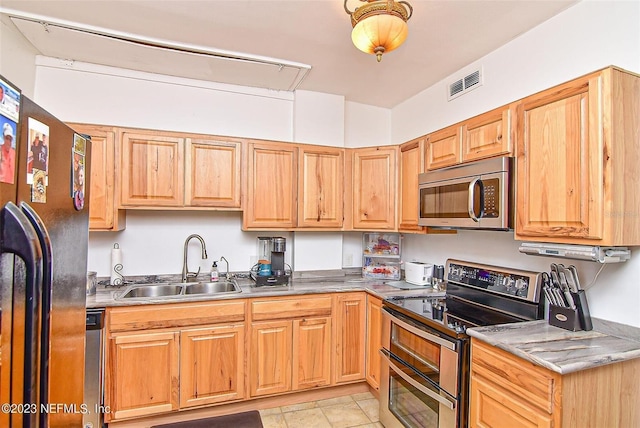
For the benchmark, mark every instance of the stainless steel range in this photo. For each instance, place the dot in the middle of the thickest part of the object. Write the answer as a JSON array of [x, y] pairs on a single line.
[[425, 372]]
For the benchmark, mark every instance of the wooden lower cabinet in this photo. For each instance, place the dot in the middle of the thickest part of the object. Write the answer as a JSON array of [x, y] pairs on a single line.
[[350, 317], [311, 353], [290, 347], [144, 374], [211, 365], [507, 391], [271, 357], [374, 341], [162, 358]]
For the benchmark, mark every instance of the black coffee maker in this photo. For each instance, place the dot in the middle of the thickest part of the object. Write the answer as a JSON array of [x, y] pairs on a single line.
[[270, 269]]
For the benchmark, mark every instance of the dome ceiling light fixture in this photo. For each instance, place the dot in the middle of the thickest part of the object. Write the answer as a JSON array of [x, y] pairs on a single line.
[[379, 26]]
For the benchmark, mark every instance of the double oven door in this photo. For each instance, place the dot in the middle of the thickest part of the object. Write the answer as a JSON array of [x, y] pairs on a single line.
[[421, 380]]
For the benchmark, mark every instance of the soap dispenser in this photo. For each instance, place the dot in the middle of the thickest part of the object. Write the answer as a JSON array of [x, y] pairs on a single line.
[[214, 272]]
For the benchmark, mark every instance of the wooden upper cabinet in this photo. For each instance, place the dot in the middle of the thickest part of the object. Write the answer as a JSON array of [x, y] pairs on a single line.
[[271, 186], [443, 147], [213, 169], [320, 186], [578, 149], [411, 165], [152, 172], [103, 206], [487, 135], [374, 188]]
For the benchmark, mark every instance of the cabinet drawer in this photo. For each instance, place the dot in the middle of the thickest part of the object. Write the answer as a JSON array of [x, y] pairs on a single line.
[[174, 315], [532, 383], [295, 307]]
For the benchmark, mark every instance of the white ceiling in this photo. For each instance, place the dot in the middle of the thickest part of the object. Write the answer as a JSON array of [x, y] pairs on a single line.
[[444, 36]]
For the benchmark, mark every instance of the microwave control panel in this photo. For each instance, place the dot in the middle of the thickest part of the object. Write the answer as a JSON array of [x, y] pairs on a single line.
[[491, 196]]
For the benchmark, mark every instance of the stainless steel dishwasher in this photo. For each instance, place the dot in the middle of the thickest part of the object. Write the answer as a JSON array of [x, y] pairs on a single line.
[[94, 369]]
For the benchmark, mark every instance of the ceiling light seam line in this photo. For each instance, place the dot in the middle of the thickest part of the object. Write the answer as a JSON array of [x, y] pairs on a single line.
[[147, 40]]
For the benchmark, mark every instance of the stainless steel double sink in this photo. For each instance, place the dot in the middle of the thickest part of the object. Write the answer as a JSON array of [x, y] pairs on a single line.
[[155, 290]]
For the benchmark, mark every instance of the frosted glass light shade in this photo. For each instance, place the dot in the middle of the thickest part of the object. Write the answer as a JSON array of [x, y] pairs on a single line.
[[379, 26], [379, 34]]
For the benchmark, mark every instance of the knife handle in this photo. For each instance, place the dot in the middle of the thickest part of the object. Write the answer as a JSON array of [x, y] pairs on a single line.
[[584, 316]]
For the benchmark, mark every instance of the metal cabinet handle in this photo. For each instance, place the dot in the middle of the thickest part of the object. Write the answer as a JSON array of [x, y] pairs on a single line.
[[419, 332], [439, 398]]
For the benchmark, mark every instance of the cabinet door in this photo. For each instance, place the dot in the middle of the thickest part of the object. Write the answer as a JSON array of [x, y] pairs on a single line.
[[271, 349], [411, 165], [374, 188], [152, 170], [493, 407], [271, 186], [487, 135], [211, 365], [443, 148], [143, 370], [560, 163], [320, 187], [374, 340], [311, 352], [213, 173], [350, 337], [103, 208]]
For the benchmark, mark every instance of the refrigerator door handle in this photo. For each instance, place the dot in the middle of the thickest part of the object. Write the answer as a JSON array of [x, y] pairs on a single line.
[[18, 236], [45, 319]]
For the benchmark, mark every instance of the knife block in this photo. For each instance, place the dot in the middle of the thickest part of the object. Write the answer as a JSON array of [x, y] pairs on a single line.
[[565, 318], [572, 319]]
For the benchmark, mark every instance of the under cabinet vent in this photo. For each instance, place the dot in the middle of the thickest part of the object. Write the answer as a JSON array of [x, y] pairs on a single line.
[[464, 85]]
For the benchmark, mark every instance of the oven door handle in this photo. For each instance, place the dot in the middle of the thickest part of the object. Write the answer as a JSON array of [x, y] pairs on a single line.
[[419, 332], [439, 398]]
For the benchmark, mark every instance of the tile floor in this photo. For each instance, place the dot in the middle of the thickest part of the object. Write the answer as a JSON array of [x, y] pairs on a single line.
[[357, 410]]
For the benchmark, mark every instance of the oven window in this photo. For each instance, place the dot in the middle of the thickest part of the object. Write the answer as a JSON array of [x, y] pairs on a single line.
[[447, 201], [417, 352], [412, 407]]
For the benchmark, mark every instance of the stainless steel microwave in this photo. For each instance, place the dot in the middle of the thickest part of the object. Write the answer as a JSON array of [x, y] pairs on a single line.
[[476, 195]]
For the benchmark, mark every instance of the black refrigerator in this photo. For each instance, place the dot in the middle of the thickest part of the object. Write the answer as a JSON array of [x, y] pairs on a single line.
[[44, 234]]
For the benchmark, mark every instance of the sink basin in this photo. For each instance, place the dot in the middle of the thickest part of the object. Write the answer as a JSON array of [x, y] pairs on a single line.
[[211, 288], [160, 290], [154, 291]]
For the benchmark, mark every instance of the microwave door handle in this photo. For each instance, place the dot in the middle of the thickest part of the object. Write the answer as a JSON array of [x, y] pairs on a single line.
[[426, 391], [472, 192]]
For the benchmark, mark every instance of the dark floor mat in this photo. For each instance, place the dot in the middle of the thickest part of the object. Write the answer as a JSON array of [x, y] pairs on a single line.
[[239, 420]]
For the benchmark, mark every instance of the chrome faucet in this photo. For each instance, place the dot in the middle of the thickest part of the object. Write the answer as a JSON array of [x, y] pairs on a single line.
[[228, 275], [186, 275]]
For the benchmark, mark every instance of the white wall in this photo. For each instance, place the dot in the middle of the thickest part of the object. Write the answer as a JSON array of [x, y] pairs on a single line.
[[366, 125], [90, 93], [17, 58], [153, 243], [584, 38]]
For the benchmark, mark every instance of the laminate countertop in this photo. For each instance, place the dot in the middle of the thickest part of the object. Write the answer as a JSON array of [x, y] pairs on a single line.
[[108, 296], [564, 351]]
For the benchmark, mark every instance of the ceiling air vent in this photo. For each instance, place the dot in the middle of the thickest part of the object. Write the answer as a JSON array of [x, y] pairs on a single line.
[[464, 85]]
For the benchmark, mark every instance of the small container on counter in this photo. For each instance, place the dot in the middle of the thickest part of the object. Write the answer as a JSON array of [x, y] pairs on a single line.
[[215, 275]]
